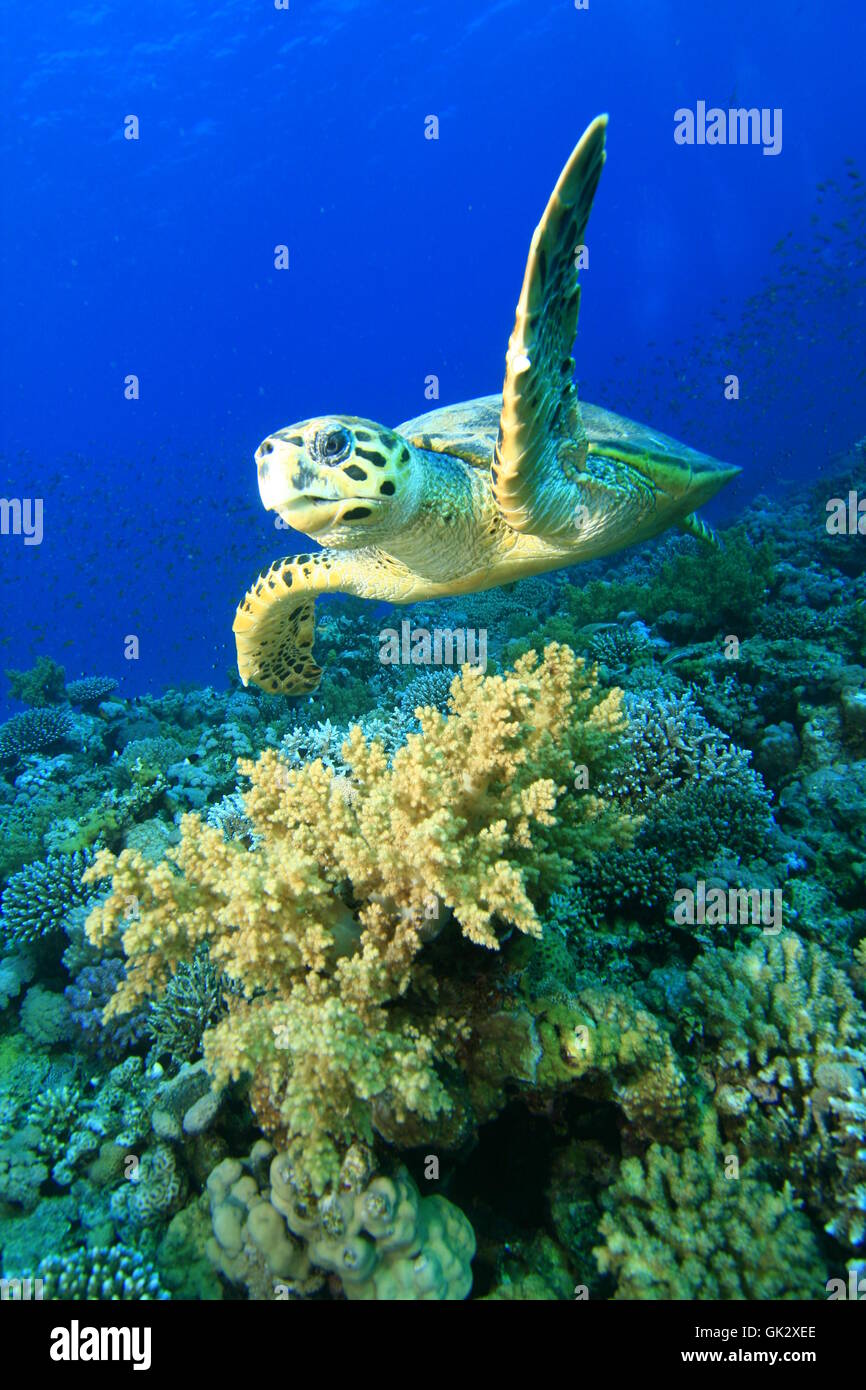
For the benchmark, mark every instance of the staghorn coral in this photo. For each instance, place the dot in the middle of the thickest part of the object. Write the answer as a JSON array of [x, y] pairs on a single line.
[[323, 922], [229, 816], [677, 1227], [327, 742], [783, 1048], [427, 687], [669, 744], [618, 647]]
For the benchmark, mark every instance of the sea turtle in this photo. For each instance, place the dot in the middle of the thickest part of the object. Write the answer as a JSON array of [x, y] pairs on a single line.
[[474, 495]]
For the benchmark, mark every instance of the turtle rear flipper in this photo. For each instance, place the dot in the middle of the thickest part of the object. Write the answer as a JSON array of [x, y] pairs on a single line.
[[694, 525], [275, 620], [542, 446]]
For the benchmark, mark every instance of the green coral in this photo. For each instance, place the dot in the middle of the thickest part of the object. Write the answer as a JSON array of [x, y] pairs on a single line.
[[676, 1227], [43, 684], [722, 588], [781, 1040], [108, 1275], [193, 1002]]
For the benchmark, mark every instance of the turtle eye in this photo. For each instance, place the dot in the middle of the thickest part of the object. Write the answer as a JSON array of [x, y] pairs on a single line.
[[333, 444]]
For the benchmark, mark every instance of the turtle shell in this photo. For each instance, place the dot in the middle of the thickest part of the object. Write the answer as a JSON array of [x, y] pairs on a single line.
[[467, 431]]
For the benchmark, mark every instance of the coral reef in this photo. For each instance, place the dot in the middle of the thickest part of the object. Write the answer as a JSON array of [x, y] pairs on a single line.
[[782, 1043], [325, 932], [430, 921], [677, 1227], [43, 684], [37, 899], [34, 731], [374, 1233], [91, 690]]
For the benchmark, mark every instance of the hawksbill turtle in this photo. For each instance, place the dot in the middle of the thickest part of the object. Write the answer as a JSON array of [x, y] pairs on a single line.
[[469, 496]]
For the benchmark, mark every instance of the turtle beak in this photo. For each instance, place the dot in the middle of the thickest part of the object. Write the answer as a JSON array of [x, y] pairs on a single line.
[[288, 483]]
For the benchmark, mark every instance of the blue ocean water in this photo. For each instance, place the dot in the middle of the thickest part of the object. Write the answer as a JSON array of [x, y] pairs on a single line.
[[305, 127]]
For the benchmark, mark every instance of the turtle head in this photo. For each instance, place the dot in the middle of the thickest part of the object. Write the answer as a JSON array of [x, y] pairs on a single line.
[[344, 480]]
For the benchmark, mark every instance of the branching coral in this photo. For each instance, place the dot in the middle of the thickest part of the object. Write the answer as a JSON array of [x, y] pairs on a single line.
[[193, 1002], [115, 1274], [38, 897], [678, 1227], [323, 922], [783, 1046], [669, 744]]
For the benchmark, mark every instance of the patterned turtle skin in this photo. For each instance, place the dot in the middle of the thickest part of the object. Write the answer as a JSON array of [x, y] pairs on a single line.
[[473, 495]]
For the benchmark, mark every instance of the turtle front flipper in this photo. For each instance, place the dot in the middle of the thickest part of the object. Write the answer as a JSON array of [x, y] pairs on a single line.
[[541, 448], [275, 622]]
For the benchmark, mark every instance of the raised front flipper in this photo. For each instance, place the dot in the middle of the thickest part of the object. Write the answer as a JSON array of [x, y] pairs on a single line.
[[275, 621], [541, 448]]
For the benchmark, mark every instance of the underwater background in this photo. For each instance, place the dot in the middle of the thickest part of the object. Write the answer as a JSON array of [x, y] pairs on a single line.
[[556, 989]]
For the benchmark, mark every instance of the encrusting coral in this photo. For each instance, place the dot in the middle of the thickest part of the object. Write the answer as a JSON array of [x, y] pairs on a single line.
[[323, 922]]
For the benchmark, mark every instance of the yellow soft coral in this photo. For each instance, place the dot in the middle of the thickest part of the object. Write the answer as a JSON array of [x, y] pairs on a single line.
[[323, 921]]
